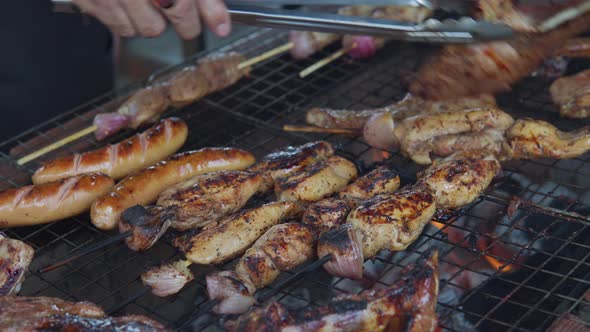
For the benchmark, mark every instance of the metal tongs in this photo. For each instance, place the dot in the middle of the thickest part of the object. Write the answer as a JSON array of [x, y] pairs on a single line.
[[464, 30]]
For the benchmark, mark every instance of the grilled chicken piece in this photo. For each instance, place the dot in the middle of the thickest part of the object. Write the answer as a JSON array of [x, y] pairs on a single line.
[[388, 221], [531, 139], [167, 279], [211, 74], [234, 234], [147, 225], [407, 305], [285, 246], [15, 258], [572, 94], [405, 108], [293, 159], [281, 248], [466, 70], [20, 313], [209, 197], [418, 133], [316, 181], [460, 178], [489, 140]]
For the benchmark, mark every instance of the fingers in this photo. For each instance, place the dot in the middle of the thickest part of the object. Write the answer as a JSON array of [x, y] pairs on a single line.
[[110, 13], [215, 15], [185, 18], [146, 19]]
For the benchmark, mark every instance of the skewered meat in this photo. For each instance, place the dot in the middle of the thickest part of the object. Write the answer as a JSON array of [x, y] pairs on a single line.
[[407, 107], [464, 70], [234, 234], [118, 160], [293, 159], [167, 279], [388, 221], [143, 187], [572, 94], [531, 139], [283, 247], [286, 246], [460, 178], [416, 134], [15, 258], [407, 305], [207, 198], [19, 313], [146, 224], [575, 48], [489, 140], [316, 181], [211, 74]]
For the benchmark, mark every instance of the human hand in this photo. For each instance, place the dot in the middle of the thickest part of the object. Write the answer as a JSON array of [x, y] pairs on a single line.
[[147, 18]]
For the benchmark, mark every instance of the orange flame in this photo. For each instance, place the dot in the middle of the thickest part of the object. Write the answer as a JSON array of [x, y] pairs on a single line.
[[498, 265], [437, 224]]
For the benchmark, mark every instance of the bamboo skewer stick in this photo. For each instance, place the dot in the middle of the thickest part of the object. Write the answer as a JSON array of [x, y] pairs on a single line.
[[312, 129], [322, 63], [87, 131]]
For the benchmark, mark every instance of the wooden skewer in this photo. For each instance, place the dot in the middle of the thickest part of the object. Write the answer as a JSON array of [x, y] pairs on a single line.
[[312, 129], [93, 128], [325, 61]]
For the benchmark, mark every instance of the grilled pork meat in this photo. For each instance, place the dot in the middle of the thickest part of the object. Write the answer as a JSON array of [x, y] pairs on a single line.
[[286, 246], [209, 197], [407, 107], [418, 133], [407, 305], [572, 94], [460, 178], [293, 159], [210, 75], [147, 225], [15, 258], [281, 248], [388, 221], [466, 70], [532, 139], [316, 181], [234, 234], [20, 313]]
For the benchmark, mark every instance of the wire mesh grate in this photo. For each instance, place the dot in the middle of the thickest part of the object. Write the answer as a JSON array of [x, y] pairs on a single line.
[[520, 272]]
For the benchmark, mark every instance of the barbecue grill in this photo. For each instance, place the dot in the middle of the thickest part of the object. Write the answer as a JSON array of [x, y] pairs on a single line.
[[516, 259]]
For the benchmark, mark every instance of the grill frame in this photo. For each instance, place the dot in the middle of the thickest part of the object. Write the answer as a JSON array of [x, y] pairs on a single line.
[[257, 107]]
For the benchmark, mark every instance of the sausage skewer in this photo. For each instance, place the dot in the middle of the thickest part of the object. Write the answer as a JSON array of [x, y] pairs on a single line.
[[244, 65]]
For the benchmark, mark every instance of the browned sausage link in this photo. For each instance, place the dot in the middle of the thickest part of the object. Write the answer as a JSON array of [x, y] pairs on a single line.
[[44, 203], [145, 186], [118, 160]]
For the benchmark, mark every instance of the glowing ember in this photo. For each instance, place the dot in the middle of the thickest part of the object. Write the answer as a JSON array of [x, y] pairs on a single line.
[[499, 265]]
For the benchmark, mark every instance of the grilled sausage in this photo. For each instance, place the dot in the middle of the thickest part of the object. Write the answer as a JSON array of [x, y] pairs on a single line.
[[118, 160], [44, 203], [145, 186]]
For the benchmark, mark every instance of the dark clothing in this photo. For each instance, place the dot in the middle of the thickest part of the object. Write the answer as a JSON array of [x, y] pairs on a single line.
[[49, 63]]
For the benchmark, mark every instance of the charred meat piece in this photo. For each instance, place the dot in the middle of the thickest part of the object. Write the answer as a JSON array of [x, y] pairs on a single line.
[[460, 178], [293, 159], [532, 139], [147, 225], [15, 258], [466, 70], [407, 305], [388, 221], [211, 74], [572, 94], [327, 214], [281, 248], [407, 107], [418, 133], [20, 313], [209, 197], [378, 181], [316, 181], [234, 234], [167, 279]]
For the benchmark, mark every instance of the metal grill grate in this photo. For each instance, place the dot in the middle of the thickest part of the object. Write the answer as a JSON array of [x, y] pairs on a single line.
[[545, 243]]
